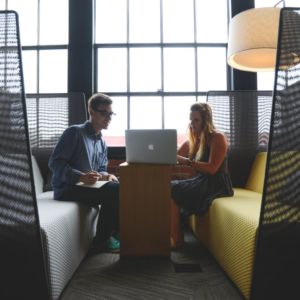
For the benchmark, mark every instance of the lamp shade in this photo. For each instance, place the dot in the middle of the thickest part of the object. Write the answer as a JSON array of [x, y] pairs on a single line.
[[252, 40]]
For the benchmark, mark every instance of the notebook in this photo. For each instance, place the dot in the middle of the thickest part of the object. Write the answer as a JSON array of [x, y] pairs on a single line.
[[96, 185], [156, 146]]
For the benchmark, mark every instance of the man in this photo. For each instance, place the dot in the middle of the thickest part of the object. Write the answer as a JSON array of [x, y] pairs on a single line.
[[81, 156]]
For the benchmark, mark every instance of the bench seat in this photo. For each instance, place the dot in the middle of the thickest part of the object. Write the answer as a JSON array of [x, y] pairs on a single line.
[[67, 231], [229, 228]]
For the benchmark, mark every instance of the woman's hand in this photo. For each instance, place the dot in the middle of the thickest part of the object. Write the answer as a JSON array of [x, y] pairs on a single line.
[[183, 160]]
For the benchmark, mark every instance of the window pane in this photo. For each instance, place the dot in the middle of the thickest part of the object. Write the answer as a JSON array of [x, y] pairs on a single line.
[[179, 69], [265, 81], [114, 135], [29, 59], [144, 21], [177, 115], [271, 3], [2, 4], [211, 22], [201, 99], [111, 21], [212, 69], [54, 20], [53, 71], [178, 21], [145, 69], [27, 11], [265, 3], [145, 113], [112, 70], [291, 3]]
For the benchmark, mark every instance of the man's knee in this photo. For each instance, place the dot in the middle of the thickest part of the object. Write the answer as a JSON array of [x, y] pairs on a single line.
[[113, 189]]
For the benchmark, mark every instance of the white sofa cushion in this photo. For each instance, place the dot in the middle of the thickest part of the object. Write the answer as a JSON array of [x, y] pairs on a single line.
[[67, 230], [37, 176]]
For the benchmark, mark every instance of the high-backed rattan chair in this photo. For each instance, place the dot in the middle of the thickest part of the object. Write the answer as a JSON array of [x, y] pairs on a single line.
[[244, 116], [277, 261], [22, 264]]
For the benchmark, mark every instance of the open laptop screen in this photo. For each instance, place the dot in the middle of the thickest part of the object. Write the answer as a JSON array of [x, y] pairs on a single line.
[[156, 146]]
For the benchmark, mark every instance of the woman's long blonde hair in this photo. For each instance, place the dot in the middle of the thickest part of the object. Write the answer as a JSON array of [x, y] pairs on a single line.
[[208, 127]]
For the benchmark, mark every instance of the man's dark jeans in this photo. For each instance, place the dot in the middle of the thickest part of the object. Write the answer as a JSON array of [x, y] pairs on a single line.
[[108, 197]]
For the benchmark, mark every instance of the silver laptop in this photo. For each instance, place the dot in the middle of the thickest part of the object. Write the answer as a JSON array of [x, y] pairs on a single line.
[[156, 146]]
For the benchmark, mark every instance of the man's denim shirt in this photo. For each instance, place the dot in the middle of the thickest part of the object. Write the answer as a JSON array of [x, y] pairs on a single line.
[[78, 150]]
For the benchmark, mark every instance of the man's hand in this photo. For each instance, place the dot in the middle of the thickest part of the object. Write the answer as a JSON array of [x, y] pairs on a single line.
[[111, 177], [90, 177]]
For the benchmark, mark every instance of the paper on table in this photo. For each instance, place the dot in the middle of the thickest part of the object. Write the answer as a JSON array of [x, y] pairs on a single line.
[[97, 185]]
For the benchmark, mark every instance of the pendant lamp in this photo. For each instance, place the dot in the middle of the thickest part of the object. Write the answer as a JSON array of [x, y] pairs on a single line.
[[252, 41]]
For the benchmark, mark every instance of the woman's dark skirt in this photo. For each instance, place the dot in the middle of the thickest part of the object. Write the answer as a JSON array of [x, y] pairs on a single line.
[[195, 195]]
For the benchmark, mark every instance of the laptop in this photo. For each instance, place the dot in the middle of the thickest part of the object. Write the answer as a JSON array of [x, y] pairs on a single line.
[[153, 146]]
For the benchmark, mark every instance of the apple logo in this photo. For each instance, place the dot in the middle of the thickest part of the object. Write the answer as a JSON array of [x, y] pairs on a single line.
[[151, 147]]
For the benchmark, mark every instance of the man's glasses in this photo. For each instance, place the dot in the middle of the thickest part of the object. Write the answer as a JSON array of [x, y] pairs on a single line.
[[105, 113]]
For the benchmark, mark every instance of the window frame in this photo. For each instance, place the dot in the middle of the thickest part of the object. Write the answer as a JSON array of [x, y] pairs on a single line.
[[161, 45]]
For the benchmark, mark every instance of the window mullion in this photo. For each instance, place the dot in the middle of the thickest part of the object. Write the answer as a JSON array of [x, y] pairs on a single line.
[[128, 65]]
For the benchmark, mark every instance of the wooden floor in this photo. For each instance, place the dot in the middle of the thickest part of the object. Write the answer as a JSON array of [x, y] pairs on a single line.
[[190, 273]]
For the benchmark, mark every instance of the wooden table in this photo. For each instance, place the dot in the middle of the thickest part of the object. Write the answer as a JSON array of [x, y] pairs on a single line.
[[145, 201]]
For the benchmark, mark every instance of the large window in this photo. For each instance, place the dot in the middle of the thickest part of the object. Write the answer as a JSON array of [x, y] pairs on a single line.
[[154, 57], [157, 57], [44, 38]]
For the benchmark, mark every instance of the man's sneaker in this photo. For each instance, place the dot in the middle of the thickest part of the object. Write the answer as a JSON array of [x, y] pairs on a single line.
[[112, 245], [117, 236]]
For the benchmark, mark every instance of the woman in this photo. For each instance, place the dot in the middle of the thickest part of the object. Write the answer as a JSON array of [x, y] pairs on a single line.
[[205, 150]]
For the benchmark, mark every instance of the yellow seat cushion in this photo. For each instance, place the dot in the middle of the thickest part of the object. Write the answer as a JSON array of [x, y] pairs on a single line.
[[229, 231], [256, 177], [229, 228]]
